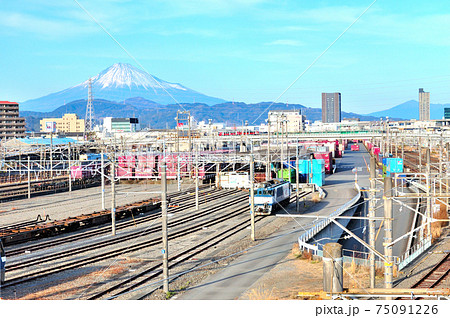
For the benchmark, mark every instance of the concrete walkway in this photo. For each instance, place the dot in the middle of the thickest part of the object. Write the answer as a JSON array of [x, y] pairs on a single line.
[[243, 272]]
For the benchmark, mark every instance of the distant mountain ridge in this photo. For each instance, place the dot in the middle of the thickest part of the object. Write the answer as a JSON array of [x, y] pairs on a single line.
[[410, 110], [117, 83], [155, 115]]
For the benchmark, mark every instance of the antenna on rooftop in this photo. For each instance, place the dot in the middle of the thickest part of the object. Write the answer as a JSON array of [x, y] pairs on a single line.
[[89, 119]]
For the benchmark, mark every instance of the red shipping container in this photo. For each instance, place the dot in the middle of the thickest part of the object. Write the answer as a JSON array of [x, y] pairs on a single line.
[[327, 157], [260, 176]]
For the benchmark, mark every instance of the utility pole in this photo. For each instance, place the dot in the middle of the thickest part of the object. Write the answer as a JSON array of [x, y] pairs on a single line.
[[372, 204], [113, 195], [268, 170], [102, 172], [69, 152], [297, 183], [29, 179], [190, 145], [388, 271], [196, 183], [165, 241], [396, 145], [281, 150], [420, 154], [217, 175], [51, 155], [403, 148], [252, 197], [178, 132], [428, 183], [178, 173]]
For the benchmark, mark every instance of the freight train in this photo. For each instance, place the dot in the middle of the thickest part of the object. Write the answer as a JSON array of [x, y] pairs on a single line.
[[144, 166], [271, 195]]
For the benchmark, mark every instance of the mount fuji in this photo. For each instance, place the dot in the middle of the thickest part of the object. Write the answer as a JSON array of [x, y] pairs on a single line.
[[120, 82]]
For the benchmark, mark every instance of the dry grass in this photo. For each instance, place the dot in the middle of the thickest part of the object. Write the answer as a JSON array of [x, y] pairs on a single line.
[[315, 197], [262, 293], [436, 227]]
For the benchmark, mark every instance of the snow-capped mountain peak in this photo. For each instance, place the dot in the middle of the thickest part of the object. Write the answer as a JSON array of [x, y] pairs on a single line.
[[122, 75], [119, 82]]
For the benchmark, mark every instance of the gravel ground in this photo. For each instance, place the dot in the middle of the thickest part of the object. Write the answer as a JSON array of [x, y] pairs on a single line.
[[79, 283], [73, 283]]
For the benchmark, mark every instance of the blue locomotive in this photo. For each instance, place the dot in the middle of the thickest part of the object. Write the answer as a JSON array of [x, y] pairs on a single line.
[[271, 195]]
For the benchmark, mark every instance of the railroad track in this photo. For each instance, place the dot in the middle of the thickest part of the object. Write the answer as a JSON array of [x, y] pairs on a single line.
[[155, 270], [436, 276], [238, 206], [28, 228], [175, 259], [99, 256], [187, 200]]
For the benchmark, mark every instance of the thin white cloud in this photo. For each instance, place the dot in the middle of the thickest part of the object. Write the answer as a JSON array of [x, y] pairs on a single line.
[[18, 22], [285, 43]]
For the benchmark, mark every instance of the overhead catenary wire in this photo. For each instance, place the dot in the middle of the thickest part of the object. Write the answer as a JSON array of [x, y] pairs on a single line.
[[126, 51], [316, 59]]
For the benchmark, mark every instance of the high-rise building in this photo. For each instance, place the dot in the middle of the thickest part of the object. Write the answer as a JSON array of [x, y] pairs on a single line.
[[11, 125], [331, 107], [424, 105], [446, 113], [111, 124]]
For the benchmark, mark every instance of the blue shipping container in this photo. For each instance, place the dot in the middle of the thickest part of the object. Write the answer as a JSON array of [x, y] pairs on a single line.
[[318, 172], [395, 165]]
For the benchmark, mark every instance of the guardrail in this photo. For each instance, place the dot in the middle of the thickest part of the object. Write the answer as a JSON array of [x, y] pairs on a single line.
[[413, 253], [305, 237]]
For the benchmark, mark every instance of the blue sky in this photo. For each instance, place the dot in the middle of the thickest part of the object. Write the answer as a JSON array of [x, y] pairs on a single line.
[[241, 50]]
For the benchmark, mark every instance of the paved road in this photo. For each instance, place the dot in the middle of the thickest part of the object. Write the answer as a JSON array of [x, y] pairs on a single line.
[[236, 278]]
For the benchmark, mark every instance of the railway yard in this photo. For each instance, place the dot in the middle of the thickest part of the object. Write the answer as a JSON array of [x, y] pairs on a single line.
[[61, 240]]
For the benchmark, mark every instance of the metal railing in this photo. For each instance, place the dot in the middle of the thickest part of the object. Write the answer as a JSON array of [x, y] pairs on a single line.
[[305, 237]]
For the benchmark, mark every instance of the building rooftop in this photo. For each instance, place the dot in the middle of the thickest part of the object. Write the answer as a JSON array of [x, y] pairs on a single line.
[[46, 141], [8, 103]]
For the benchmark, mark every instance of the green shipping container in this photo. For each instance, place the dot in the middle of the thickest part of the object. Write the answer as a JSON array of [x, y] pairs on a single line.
[[288, 175]]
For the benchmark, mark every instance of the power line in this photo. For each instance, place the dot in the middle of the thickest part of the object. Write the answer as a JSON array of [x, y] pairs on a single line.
[[316, 59]]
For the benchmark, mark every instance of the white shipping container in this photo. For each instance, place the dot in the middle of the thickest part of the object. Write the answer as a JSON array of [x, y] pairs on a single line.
[[234, 180]]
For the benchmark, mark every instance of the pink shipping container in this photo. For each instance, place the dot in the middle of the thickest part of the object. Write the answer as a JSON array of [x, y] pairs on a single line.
[[145, 173], [376, 151], [131, 161], [327, 157], [124, 172], [146, 165], [76, 172], [127, 161], [122, 160]]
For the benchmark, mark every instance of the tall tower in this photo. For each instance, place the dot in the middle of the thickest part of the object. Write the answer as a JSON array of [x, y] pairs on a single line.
[[89, 119], [331, 107], [424, 105]]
